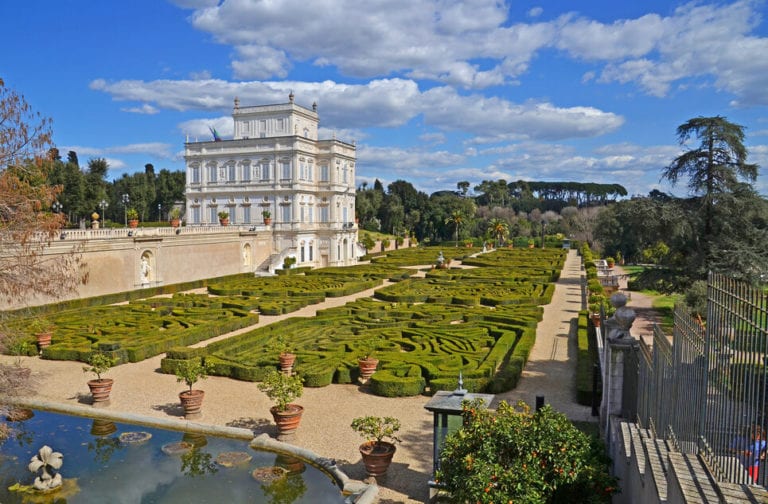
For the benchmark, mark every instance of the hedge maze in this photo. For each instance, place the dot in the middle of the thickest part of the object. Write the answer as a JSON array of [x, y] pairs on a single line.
[[479, 321], [148, 327], [142, 329]]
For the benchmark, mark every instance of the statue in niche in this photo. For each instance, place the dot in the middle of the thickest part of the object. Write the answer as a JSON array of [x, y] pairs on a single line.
[[146, 270], [617, 326]]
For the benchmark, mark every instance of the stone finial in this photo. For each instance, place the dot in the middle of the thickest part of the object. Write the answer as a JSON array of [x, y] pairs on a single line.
[[618, 325], [290, 96], [237, 103], [314, 106]]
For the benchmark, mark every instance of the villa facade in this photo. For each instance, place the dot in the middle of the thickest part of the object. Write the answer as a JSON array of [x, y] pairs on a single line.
[[275, 167]]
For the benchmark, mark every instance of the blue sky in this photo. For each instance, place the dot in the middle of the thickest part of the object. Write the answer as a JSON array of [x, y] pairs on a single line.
[[432, 91]]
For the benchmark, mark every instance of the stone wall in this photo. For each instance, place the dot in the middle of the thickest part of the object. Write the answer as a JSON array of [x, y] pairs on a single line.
[[113, 258]]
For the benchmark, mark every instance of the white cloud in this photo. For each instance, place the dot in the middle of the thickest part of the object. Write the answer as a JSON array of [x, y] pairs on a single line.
[[144, 109], [417, 38], [153, 149], [499, 119]]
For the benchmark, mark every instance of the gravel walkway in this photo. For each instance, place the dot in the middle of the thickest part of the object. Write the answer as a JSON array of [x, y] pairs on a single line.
[[141, 389]]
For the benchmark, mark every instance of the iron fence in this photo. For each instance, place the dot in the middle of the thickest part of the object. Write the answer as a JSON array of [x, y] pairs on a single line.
[[705, 390]]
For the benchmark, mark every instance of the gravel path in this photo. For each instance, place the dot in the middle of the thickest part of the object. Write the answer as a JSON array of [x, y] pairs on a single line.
[[141, 389]]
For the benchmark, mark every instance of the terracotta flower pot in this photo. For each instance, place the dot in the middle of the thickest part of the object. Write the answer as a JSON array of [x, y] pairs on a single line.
[[377, 457], [192, 401], [367, 367], [133, 223], [44, 339], [175, 222], [224, 222], [287, 421], [100, 390], [267, 221], [286, 362]]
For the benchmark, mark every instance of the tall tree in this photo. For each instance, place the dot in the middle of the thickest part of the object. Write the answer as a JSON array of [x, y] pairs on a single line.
[[455, 219], [27, 224], [716, 165], [499, 229]]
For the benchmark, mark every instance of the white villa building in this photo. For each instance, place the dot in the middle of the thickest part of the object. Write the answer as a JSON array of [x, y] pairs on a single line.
[[275, 166]]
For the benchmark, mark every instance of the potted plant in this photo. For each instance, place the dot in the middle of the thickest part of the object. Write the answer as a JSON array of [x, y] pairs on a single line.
[[531, 242], [285, 355], [595, 304], [282, 389], [42, 328], [224, 218], [133, 217], [175, 217], [377, 454], [610, 261], [267, 216], [99, 363], [190, 371], [366, 362]]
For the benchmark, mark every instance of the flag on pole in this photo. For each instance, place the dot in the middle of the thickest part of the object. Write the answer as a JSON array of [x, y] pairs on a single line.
[[216, 137]]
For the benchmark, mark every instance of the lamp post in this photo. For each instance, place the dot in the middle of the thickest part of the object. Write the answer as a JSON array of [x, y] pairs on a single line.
[[542, 233], [159, 212], [103, 204], [57, 206], [126, 200]]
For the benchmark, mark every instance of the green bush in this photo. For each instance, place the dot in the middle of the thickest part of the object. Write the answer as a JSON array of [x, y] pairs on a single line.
[[518, 456]]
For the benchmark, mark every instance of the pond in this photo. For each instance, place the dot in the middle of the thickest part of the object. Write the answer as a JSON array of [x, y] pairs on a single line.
[[170, 467]]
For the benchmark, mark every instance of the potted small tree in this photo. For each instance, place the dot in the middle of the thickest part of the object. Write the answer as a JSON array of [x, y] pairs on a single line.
[[377, 454], [175, 216], [610, 261], [133, 217], [98, 364], [366, 362], [190, 371], [224, 218], [282, 389], [285, 355], [42, 328], [267, 216]]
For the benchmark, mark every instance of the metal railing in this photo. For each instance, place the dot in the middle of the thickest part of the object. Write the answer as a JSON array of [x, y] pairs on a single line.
[[705, 391]]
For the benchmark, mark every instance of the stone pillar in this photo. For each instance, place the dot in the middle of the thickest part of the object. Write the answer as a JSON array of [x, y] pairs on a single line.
[[619, 344], [617, 354]]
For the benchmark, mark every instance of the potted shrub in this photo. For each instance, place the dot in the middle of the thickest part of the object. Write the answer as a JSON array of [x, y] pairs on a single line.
[[610, 261], [282, 389], [366, 361], [531, 242], [285, 355], [190, 371], [224, 218], [377, 454], [98, 364], [595, 304], [175, 216], [267, 216], [133, 217], [42, 328]]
